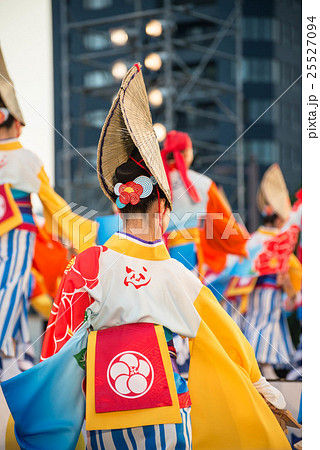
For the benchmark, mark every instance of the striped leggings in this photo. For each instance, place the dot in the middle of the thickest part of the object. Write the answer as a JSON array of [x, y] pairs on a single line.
[[152, 437], [266, 327], [16, 253]]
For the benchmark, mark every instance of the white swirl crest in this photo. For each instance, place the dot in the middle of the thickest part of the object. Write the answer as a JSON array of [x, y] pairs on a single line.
[[146, 184]]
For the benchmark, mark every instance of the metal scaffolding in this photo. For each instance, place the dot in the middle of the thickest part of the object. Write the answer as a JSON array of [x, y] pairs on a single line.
[[199, 98]]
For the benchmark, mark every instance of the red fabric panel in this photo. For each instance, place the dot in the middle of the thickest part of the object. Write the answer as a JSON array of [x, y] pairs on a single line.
[[129, 372], [72, 299]]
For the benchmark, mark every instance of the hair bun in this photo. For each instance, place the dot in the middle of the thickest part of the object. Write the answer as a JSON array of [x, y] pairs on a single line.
[[129, 170]]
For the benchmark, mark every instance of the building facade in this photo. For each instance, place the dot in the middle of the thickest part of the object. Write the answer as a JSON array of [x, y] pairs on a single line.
[[211, 68]]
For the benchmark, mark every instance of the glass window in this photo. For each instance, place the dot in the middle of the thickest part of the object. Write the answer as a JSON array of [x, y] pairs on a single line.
[[275, 71], [295, 157], [96, 41], [256, 107], [97, 79], [293, 116], [296, 115], [211, 70], [260, 29], [95, 118], [199, 2], [296, 36], [265, 151], [257, 70], [97, 4], [196, 30], [286, 114], [286, 73], [290, 116], [275, 112], [193, 29], [276, 30], [286, 33]]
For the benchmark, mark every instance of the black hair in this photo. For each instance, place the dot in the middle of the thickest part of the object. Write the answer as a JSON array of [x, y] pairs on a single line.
[[170, 156], [128, 172], [270, 220], [8, 123]]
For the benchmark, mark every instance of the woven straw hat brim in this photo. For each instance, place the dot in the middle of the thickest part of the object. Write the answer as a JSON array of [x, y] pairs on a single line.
[[260, 200], [273, 191], [7, 92], [129, 125], [114, 148]]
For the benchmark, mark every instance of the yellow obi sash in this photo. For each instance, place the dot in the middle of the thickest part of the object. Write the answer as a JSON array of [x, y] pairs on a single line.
[[10, 215], [130, 379]]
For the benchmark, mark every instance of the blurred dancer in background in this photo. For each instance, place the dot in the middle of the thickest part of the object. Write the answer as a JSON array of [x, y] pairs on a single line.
[[296, 219], [195, 197], [21, 174], [266, 326], [202, 230]]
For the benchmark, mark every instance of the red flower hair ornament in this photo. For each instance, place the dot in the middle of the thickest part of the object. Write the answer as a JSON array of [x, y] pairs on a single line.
[[4, 115], [133, 191], [267, 211]]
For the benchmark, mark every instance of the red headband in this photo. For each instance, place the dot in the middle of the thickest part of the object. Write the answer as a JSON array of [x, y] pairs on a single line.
[[176, 142]]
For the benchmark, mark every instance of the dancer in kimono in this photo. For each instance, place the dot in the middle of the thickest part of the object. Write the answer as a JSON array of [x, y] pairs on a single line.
[[21, 174], [266, 326], [202, 230], [131, 296]]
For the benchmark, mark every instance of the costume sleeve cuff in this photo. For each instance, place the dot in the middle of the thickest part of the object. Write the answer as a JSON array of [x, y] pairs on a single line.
[[270, 393]]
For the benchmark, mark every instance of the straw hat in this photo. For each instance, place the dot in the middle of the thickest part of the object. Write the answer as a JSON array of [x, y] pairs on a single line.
[[7, 92], [129, 125], [273, 195]]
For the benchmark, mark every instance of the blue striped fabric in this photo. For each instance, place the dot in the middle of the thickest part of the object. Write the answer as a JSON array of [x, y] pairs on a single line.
[[153, 437], [27, 217], [266, 327], [232, 308], [16, 252]]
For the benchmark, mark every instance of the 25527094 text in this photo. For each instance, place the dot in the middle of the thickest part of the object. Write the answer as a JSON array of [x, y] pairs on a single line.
[[313, 101]]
